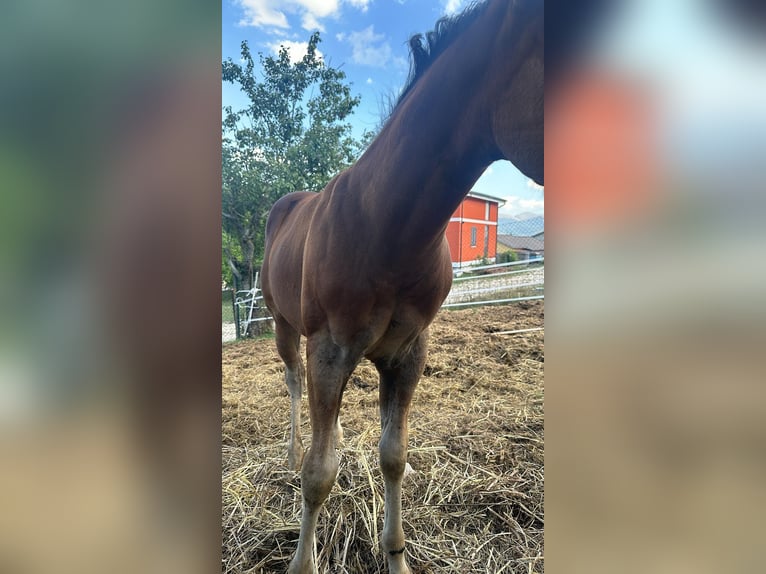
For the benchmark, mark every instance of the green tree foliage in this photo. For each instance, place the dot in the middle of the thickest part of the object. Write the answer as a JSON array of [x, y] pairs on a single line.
[[507, 257], [293, 135]]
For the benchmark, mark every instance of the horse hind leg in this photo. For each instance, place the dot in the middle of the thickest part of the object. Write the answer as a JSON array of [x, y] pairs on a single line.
[[288, 346]]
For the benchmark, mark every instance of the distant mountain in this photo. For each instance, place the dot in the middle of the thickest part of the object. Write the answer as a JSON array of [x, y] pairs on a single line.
[[525, 215], [526, 227]]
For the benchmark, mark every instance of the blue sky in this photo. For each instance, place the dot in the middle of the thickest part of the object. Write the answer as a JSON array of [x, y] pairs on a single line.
[[368, 40]]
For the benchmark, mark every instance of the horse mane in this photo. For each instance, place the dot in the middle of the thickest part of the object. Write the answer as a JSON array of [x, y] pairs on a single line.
[[424, 50]]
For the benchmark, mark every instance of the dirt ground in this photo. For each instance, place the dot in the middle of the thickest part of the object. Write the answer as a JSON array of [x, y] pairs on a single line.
[[474, 502]]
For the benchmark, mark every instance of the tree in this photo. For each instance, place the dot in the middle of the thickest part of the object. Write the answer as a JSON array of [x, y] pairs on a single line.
[[293, 135], [507, 257]]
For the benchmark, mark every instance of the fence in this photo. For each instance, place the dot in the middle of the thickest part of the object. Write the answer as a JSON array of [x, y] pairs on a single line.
[[228, 316], [502, 283], [244, 314], [485, 285]]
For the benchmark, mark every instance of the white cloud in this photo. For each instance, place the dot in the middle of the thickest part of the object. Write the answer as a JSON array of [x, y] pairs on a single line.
[[361, 4], [261, 13], [273, 13], [319, 8], [310, 23], [531, 184], [515, 204], [369, 81], [296, 50], [367, 47], [453, 6], [532, 204]]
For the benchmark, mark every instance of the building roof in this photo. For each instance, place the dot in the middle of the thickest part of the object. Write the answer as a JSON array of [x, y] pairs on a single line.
[[499, 200], [515, 242]]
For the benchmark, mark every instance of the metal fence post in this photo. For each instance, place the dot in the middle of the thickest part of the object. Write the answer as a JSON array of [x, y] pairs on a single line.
[[235, 309]]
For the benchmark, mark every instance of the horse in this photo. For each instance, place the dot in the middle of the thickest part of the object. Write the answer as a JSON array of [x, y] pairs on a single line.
[[361, 268]]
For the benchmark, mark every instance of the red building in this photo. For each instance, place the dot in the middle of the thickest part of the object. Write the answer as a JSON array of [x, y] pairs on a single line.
[[472, 230]]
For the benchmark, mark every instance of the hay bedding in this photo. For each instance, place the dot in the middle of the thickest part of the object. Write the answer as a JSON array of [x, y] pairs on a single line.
[[474, 502]]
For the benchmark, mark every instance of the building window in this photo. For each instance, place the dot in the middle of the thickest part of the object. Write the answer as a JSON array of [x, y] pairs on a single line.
[[473, 237]]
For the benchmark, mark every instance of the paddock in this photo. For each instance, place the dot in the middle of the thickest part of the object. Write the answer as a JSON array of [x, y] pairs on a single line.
[[474, 501]]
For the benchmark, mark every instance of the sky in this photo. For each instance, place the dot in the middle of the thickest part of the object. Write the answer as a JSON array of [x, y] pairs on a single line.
[[704, 69], [367, 39]]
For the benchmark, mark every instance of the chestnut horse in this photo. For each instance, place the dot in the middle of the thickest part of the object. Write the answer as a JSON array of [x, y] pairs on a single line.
[[361, 268]]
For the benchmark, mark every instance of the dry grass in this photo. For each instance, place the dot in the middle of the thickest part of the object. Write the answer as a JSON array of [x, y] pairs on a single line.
[[475, 500]]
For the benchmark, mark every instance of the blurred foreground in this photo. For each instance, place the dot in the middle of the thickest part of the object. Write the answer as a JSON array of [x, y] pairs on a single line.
[[109, 287], [656, 299]]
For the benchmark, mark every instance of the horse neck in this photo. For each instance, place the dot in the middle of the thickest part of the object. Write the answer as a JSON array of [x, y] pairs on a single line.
[[436, 144]]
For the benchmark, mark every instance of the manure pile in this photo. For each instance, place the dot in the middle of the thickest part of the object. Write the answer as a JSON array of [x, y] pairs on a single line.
[[474, 503]]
